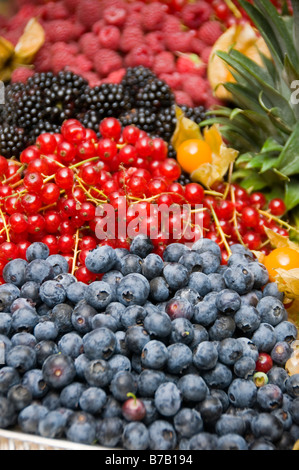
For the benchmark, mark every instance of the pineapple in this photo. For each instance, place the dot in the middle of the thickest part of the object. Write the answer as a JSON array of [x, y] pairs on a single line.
[[262, 122]]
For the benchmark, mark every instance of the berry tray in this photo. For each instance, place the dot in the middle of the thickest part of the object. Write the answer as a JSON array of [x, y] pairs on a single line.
[[13, 440]]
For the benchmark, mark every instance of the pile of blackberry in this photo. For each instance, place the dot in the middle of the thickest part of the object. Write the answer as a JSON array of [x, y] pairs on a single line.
[[46, 100]]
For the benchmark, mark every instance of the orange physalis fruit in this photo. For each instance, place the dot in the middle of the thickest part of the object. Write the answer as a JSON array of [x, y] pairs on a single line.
[[193, 153]]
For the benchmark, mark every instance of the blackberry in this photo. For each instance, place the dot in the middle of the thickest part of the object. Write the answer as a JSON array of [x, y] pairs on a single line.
[[196, 114], [156, 94], [12, 141], [166, 123], [135, 79], [143, 118], [184, 179]]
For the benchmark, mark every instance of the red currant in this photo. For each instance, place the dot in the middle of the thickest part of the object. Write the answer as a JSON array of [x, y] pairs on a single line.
[[277, 207], [66, 151], [194, 193], [46, 143], [33, 182], [110, 127], [64, 178], [264, 363], [107, 149], [170, 169]]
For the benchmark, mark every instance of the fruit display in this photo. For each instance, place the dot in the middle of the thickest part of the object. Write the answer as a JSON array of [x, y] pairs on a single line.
[[149, 256]]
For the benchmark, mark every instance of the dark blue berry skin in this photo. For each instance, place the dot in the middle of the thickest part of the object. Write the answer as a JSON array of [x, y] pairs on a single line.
[[132, 315], [61, 315], [217, 282], [229, 350], [205, 244], [119, 362], [222, 396], [30, 290], [292, 385], [34, 381], [109, 431], [116, 310], [101, 260], [230, 424], [59, 264], [136, 338], [29, 418], [101, 320], [266, 425], [20, 396], [162, 435], [81, 317], [65, 279], [205, 355], [121, 347], [141, 246], [5, 323], [81, 428], [239, 278], [261, 275], [12, 291], [70, 395], [192, 261], [249, 348], [294, 410], [174, 251], [98, 373], [244, 367], [285, 417], [131, 264], [200, 282], [228, 301], [52, 425], [70, 344], [92, 400], [281, 353], [76, 292], [264, 337], [187, 422], [189, 294], [271, 289], [205, 313], [58, 370], [9, 376], [262, 444], [112, 277], [223, 327], [154, 355], [168, 399], [8, 415], [133, 289], [286, 331], [39, 270], [24, 319], [80, 363], [242, 393], [99, 294], [239, 258], [218, 377], [210, 262], [122, 384], [135, 436], [193, 388], [37, 250], [203, 441], [44, 349], [278, 376], [52, 293], [99, 343], [45, 330], [247, 319], [152, 266], [148, 381], [112, 408], [21, 357], [271, 310], [14, 272], [210, 409], [232, 441], [159, 289], [176, 275], [179, 358], [182, 331]]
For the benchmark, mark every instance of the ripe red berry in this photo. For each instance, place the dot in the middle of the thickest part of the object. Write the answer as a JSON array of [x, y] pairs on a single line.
[[106, 149], [264, 363], [133, 409], [66, 151], [74, 133], [50, 193], [258, 200], [18, 222], [33, 182], [277, 207], [250, 217], [64, 178], [194, 193], [110, 127], [46, 143], [170, 169], [130, 134], [29, 154]]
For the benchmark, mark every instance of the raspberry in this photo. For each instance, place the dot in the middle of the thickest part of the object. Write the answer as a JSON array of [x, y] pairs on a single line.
[[179, 41], [140, 55], [54, 11], [72, 48], [196, 87], [21, 74], [89, 45], [71, 4], [109, 37], [84, 64], [133, 19], [62, 59], [131, 37], [153, 15], [164, 63], [155, 40], [209, 32], [42, 60], [59, 30], [182, 98], [107, 61], [190, 64], [205, 55], [171, 25], [197, 45], [195, 14], [98, 25], [92, 78], [116, 76], [88, 12], [115, 16], [173, 80]]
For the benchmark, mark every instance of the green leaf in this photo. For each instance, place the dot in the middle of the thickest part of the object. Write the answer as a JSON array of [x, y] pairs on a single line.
[[295, 6], [288, 162], [269, 164], [271, 145], [291, 198], [245, 157]]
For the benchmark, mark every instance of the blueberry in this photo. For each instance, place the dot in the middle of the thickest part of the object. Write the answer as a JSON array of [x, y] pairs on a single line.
[[244, 367], [242, 393], [218, 377], [121, 384], [182, 331], [148, 381], [284, 416], [176, 275], [76, 292], [152, 266], [80, 363], [92, 400], [271, 310], [39, 270], [141, 245], [271, 289], [230, 424], [232, 441], [101, 259], [65, 279], [99, 343], [81, 317], [179, 358], [112, 408], [30, 290], [174, 251], [264, 337], [188, 422], [239, 278], [33, 380], [136, 338], [45, 330], [266, 425], [210, 409], [20, 303], [37, 250], [70, 344], [250, 298], [58, 370], [193, 388], [109, 431], [133, 289], [99, 294], [239, 258], [281, 353], [20, 396], [192, 261], [205, 355], [154, 355], [205, 244], [29, 417], [131, 264], [25, 338], [247, 319], [187, 293], [159, 289], [116, 310], [52, 293], [292, 385], [8, 293], [223, 327], [44, 349], [230, 350], [162, 435], [222, 396], [132, 315], [286, 331], [151, 411], [203, 441], [278, 376], [112, 277], [261, 275], [249, 348], [70, 395], [135, 436], [98, 373], [262, 444], [59, 263], [5, 323], [205, 313], [22, 358], [14, 272], [121, 347], [52, 425], [228, 301], [210, 262], [102, 320], [81, 428], [119, 362], [294, 410], [200, 282], [24, 319], [9, 376], [217, 282]]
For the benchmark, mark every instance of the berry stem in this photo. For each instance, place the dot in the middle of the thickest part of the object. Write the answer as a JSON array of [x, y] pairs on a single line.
[[221, 233], [76, 165], [278, 220], [235, 221], [131, 395], [5, 226], [233, 8], [75, 251]]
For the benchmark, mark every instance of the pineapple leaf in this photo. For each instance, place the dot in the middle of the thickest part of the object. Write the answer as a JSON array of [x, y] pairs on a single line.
[[269, 164], [295, 6], [291, 198], [274, 115], [288, 162]]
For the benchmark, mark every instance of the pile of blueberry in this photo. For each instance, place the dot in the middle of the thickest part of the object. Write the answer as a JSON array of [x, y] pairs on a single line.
[[157, 354]]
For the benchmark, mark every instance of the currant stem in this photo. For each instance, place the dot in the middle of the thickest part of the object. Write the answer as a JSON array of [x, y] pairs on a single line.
[[5, 226], [278, 220], [221, 233], [76, 165], [233, 8], [235, 222], [75, 252]]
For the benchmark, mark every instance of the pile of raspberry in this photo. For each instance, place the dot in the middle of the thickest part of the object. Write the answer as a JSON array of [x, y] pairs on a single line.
[[99, 39]]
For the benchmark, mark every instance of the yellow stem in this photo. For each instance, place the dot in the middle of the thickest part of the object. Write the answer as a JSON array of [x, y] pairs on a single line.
[[75, 251], [278, 220], [5, 225], [235, 222], [76, 165], [233, 9], [221, 233]]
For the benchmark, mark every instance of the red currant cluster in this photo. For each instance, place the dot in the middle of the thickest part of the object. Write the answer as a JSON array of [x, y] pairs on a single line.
[[52, 195]]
